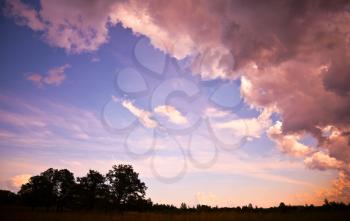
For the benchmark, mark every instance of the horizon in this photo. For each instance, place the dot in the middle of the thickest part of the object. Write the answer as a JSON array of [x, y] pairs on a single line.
[[216, 103]]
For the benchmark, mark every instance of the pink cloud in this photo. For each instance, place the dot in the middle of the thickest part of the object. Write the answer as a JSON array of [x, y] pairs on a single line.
[[55, 76], [171, 113], [38, 127], [292, 56], [144, 116], [35, 78], [24, 15], [322, 161], [74, 26], [290, 143], [14, 183]]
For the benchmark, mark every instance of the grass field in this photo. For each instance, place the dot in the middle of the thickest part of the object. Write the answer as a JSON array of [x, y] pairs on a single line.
[[14, 214]]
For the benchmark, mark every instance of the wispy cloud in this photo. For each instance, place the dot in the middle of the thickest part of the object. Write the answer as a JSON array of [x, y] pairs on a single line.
[[147, 117], [171, 113], [55, 76], [144, 116], [51, 124], [249, 127]]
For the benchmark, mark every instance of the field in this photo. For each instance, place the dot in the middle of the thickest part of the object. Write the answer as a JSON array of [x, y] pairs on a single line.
[[24, 214]]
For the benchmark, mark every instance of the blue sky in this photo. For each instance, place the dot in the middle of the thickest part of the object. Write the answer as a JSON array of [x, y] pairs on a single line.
[[192, 139]]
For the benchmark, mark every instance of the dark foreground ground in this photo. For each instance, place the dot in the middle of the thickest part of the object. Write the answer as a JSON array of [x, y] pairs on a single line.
[[23, 214]]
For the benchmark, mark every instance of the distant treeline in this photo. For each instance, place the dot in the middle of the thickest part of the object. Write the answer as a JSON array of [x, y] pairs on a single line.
[[120, 189]]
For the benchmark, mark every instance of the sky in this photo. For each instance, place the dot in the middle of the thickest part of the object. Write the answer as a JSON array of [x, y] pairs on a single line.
[[213, 102]]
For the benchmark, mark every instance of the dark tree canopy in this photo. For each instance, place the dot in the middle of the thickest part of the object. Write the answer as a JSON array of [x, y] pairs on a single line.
[[39, 191], [92, 189], [50, 187], [64, 183], [120, 188], [125, 185]]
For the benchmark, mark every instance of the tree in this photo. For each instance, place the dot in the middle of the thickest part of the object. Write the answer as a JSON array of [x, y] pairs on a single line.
[[8, 197], [38, 192], [50, 187], [92, 189], [282, 205], [49, 174], [326, 202], [64, 183], [125, 185], [183, 206]]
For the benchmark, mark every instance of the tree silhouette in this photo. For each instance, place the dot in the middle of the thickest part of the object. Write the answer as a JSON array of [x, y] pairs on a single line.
[[7, 197], [64, 184], [92, 189], [121, 188], [183, 206], [49, 174], [38, 192], [125, 186], [50, 187]]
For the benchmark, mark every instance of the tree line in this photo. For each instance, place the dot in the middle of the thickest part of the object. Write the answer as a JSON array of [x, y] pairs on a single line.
[[120, 189]]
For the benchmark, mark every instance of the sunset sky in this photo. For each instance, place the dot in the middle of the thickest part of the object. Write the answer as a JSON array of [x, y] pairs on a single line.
[[213, 102]]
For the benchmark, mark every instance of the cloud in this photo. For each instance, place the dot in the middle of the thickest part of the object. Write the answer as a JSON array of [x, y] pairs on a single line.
[[50, 125], [54, 76], [292, 55], [14, 183], [35, 78], [95, 59], [143, 115], [338, 191], [214, 112], [322, 161], [146, 117], [170, 112], [24, 15], [287, 143], [241, 127], [20, 179], [74, 26], [337, 141]]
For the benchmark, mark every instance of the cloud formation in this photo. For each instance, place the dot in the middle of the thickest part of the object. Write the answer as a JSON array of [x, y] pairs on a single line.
[[74, 26], [290, 143], [171, 113], [15, 182], [290, 55], [20, 179], [244, 127], [145, 117], [55, 76], [322, 161], [50, 125]]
